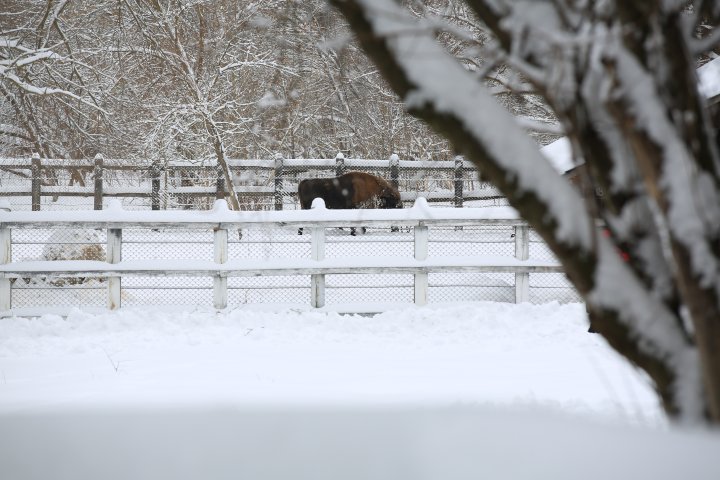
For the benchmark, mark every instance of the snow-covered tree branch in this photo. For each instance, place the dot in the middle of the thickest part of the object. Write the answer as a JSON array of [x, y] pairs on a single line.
[[620, 78], [40, 73]]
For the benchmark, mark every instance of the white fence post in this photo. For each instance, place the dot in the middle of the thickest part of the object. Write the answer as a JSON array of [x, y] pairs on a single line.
[[114, 255], [522, 252], [317, 281], [421, 252], [5, 257], [220, 293]]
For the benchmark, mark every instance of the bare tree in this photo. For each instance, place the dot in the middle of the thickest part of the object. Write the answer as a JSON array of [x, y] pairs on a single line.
[[197, 79], [44, 80], [620, 77]]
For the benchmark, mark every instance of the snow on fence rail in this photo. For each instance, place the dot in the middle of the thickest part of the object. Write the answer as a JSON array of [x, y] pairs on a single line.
[[412, 223], [269, 183]]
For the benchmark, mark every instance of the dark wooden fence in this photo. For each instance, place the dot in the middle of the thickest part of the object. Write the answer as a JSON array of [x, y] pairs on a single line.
[[259, 184]]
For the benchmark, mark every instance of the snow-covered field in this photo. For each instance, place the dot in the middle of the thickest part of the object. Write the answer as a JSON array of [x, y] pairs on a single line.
[[411, 393], [484, 353]]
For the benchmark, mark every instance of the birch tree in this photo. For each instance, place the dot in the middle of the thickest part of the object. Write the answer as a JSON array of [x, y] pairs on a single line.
[[621, 79]]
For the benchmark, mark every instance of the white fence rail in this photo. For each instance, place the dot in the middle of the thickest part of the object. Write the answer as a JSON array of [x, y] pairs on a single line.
[[222, 222]]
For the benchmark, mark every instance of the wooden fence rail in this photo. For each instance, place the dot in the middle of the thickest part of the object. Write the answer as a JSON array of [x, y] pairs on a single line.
[[90, 179], [115, 220]]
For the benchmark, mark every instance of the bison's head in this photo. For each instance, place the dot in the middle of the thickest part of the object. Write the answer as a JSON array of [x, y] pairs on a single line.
[[390, 198]]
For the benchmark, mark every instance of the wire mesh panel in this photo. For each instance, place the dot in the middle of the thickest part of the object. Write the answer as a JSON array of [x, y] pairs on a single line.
[[268, 243], [476, 240], [32, 244], [471, 287], [167, 290], [275, 289], [539, 249], [473, 240], [549, 287], [378, 241], [368, 289], [59, 291], [58, 244], [552, 287], [494, 241], [139, 244], [173, 244]]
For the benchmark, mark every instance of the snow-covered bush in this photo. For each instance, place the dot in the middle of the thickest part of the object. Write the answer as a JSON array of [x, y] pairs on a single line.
[[73, 245]]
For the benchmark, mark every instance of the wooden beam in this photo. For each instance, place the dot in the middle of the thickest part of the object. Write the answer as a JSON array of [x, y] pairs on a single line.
[[114, 256], [522, 252], [220, 293], [421, 252]]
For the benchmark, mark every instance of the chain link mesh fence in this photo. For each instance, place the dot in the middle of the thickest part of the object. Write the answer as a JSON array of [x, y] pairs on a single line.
[[548, 287], [30, 244], [471, 241], [276, 244], [262, 185]]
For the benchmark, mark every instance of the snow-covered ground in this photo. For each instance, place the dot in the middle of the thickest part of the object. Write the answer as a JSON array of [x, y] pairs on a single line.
[[411, 393], [488, 352]]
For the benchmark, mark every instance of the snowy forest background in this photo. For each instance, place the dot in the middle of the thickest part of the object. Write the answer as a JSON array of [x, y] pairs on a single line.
[[194, 80]]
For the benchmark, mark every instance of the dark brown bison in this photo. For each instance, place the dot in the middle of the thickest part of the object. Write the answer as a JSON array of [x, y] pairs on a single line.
[[351, 190]]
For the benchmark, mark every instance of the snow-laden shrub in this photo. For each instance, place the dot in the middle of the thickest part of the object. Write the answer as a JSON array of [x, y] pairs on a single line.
[[73, 245]]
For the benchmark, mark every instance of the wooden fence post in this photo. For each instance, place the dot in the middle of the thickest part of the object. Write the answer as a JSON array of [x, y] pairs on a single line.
[[278, 182], [220, 293], [36, 185], [5, 257], [522, 252], [459, 181], [421, 252], [155, 172], [339, 164], [98, 175], [114, 255]]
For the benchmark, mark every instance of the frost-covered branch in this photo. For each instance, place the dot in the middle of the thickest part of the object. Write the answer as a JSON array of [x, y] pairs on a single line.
[[636, 321]]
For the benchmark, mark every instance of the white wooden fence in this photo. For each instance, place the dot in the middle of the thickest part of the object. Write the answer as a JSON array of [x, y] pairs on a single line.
[[220, 220]]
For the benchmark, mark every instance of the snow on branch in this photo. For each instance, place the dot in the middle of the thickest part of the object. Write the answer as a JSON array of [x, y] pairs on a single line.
[[692, 196], [440, 81], [435, 86], [35, 90], [12, 70]]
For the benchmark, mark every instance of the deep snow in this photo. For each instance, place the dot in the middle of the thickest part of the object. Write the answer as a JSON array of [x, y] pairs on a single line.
[[483, 390], [485, 353]]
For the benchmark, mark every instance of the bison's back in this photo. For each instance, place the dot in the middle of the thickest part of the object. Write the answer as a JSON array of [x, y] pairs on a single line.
[[331, 190], [351, 190]]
